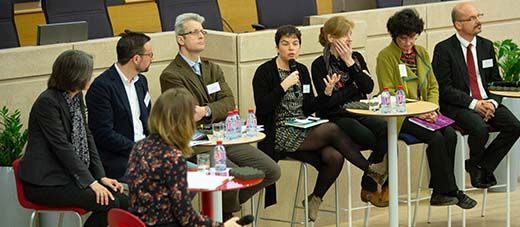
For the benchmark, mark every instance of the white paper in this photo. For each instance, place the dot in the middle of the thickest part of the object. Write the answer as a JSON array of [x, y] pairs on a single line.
[[212, 88], [402, 70], [487, 63], [306, 89], [198, 180]]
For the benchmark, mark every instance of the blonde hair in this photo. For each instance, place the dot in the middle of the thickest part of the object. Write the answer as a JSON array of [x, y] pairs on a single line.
[[337, 27], [172, 118]]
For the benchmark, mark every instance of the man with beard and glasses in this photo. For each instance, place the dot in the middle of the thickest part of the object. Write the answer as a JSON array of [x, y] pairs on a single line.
[[464, 64], [118, 103]]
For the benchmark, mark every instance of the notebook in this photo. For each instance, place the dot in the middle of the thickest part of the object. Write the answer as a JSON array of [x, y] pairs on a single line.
[[307, 122], [442, 121]]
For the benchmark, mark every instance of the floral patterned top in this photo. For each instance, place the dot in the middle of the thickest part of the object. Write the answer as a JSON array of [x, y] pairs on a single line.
[[157, 180]]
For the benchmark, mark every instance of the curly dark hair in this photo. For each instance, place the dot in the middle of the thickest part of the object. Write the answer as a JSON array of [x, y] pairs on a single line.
[[405, 22]]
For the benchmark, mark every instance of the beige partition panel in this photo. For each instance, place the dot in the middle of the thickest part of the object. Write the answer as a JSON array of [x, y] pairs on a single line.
[[24, 76]]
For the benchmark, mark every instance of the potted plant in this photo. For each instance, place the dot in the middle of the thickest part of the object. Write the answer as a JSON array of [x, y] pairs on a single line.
[[508, 59], [12, 141]]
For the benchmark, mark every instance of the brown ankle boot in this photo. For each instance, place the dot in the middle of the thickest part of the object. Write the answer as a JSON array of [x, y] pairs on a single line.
[[377, 172], [314, 206]]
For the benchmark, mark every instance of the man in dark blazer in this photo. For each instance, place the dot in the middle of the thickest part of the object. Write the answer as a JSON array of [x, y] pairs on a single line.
[[464, 64], [118, 103], [205, 81]]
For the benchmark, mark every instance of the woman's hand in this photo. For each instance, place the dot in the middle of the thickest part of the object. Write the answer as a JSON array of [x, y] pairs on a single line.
[[344, 51], [232, 222], [113, 184], [429, 117], [330, 81], [292, 79], [102, 193]]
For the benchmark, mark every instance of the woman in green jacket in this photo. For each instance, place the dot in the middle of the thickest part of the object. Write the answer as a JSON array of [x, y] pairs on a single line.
[[404, 63]]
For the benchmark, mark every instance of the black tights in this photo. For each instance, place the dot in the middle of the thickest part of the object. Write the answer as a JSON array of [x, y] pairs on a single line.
[[325, 147]]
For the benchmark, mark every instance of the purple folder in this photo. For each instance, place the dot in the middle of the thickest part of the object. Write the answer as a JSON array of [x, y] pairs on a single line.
[[442, 121]]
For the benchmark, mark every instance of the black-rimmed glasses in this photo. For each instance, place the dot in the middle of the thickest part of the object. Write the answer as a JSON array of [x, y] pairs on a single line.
[[195, 32]]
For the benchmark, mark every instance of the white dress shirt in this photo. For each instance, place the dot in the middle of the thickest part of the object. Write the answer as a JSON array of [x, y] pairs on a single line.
[[133, 100], [464, 45]]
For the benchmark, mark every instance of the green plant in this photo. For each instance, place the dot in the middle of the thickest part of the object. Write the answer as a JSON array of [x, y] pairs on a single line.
[[508, 59], [12, 138]]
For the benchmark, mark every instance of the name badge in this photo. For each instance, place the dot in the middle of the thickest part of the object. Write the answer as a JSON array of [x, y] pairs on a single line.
[[306, 88], [487, 63], [212, 88], [147, 99], [402, 70]]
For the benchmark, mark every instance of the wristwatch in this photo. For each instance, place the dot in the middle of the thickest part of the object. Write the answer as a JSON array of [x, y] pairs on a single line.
[[208, 111]]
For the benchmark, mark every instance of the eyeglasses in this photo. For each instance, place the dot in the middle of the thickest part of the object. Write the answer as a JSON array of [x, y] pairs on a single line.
[[149, 55], [472, 18], [195, 32]]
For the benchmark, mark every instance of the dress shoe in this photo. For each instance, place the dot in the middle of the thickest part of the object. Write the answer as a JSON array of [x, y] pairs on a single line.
[[478, 177], [465, 202], [314, 206], [490, 179], [443, 200], [378, 172], [375, 198]]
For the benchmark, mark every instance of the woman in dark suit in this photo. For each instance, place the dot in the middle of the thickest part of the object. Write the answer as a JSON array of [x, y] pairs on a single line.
[[283, 94], [61, 165]]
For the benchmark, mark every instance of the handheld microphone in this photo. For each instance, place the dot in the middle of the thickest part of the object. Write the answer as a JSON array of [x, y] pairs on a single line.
[[292, 65], [246, 220]]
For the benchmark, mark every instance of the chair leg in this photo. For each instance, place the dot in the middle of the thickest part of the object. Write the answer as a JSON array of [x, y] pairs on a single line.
[[296, 196], [408, 187], [463, 173], [33, 218], [367, 214], [60, 220], [508, 191], [336, 201], [349, 194], [484, 202], [253, 209], [305, 190], [429, 219], [80, 222], [419, 184], [260, 197], [449, 216]]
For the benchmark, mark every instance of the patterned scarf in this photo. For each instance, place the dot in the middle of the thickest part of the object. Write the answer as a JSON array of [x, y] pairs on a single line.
[[79, 132], [335, 65]]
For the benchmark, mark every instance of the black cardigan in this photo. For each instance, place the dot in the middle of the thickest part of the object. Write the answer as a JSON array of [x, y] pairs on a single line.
[[356, 88], [268, 93]]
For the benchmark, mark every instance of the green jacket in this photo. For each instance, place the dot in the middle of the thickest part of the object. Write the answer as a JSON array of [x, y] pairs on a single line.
[[420, 86]]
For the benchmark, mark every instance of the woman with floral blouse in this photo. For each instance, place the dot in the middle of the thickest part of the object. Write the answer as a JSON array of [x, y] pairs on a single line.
[[157, 168]]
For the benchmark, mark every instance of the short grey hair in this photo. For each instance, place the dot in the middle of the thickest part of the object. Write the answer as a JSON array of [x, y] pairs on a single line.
[[185, 17]]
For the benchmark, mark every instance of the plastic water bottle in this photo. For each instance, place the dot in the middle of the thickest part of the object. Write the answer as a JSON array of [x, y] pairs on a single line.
[[251, 123], [238, 124], [400, 100], [219, 153], [229, 126], [385, 101]]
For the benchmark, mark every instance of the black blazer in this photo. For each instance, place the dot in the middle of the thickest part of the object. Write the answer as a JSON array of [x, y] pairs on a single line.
[[268, 93], [49, 158], [449, 66], [110, 119]]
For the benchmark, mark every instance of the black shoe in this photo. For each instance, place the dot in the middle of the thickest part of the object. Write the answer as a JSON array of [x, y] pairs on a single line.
[[490, 179], [478, 177], [443, 200], [226, 216], [465, 202]]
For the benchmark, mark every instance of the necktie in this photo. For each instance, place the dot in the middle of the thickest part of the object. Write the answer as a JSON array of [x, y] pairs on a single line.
[[472, 74]]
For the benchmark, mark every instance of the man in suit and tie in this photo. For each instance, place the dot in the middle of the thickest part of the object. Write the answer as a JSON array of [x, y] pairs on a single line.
[[464, 64], [118, 103], [205, 80]]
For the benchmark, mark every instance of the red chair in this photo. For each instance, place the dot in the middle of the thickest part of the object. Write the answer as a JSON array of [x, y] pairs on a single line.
[[37, 208], [122, 218]]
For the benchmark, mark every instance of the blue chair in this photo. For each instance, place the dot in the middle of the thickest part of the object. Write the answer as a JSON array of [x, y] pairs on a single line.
[[170, 9], [9, 37], [388, 3], [274, 13], [94, 12]]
